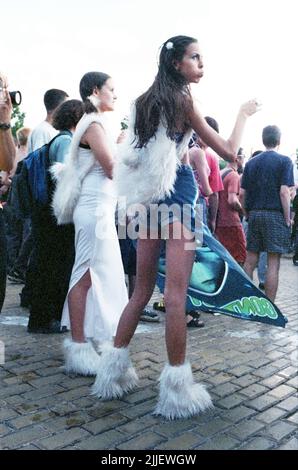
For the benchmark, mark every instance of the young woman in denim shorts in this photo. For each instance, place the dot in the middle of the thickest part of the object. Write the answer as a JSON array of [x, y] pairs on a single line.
[[154, 173]]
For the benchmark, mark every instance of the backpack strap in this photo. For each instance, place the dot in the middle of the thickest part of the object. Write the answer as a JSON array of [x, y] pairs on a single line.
[[226, 173]]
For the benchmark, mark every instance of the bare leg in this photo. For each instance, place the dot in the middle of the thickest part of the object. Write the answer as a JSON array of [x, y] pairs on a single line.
[[251, 262], [179, 264], [271, 284], [131, 284], [77, 305], [147, 263]]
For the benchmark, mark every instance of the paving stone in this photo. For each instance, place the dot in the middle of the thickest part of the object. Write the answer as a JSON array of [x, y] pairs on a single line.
[[266, 371], [30, 419], [220, 378], [280, 430], [141, 395], [172, 428], [288, 372], [290, 404], [185, 441], [137, 425], [245, 380], [271, 415], [275, 355], [46, 391], [262, 361], [245, 429], [232, 401], [220, 442], [258, 443], [50, 379], [63, 439], [238, 414], [4, 430], [139, 410], [293, 382], [107, 440], [16, 439], [254, 390], [292, 444], [293, 418], [263, 402], [148, 440], [14, 390], [241, 370], [273, 381], [282, 391], [213, 427], [103, 424], [225, 389], [7, 413]]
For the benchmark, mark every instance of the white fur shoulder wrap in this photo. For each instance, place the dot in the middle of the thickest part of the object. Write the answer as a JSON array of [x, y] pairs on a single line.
[[147, 175], [69, 175]]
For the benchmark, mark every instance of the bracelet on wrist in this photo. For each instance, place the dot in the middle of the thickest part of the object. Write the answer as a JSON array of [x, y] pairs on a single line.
[[5, 126]]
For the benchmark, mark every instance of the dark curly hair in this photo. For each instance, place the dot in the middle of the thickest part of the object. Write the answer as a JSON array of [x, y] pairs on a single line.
[[168, 98], [68, 114]]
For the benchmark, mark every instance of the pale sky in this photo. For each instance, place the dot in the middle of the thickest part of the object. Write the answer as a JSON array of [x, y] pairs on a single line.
[[249, 49]]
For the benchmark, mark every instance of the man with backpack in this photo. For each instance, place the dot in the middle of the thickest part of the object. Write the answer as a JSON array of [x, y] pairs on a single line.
[[53, 244]]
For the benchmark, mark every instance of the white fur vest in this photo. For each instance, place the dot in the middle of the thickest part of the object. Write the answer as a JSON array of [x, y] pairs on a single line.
[[147, 175], [69, 175]]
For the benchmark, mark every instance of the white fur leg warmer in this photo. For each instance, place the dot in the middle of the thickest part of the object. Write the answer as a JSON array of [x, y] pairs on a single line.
[[179, 396], [80, 358], [115, 374]]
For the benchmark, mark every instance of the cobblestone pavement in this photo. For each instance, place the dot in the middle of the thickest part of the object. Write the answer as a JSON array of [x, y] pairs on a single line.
[[250, 370]]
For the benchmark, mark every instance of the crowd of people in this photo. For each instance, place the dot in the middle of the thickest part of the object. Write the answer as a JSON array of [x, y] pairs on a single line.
[[66, 250]]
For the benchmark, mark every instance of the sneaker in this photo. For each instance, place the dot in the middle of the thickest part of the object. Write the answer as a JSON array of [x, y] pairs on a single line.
[[16, 277], [149, 315]]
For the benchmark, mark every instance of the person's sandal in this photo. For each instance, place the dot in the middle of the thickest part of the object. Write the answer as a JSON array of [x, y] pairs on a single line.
[[149, 315], [195, 323]]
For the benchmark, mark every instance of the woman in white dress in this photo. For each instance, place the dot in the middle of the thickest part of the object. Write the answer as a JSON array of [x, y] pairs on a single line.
[[97, 291]]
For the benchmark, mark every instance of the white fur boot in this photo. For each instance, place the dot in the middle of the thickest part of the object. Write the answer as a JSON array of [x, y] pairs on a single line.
[[115, 374], [179, 396], [80, 358]]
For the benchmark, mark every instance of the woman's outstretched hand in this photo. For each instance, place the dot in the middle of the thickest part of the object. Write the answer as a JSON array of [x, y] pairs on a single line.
[[250, 107]]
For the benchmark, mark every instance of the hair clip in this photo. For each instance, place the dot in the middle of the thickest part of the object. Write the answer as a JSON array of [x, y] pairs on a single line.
[[169, 45]]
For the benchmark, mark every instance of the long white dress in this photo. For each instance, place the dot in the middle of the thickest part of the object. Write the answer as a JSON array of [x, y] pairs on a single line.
[[97, 250]]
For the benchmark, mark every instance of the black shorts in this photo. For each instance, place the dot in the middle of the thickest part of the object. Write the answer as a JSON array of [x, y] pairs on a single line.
[[267, 231]]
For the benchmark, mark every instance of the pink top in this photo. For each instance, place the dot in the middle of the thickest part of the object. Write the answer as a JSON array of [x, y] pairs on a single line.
[[214, 177]]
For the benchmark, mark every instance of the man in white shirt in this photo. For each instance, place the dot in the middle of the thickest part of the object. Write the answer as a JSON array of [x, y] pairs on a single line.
[[44, 132]]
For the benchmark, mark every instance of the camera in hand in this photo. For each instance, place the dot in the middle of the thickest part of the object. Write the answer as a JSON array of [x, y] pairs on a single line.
[[16, 97]]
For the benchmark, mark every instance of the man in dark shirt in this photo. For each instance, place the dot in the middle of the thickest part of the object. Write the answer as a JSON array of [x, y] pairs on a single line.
[[265, 196]]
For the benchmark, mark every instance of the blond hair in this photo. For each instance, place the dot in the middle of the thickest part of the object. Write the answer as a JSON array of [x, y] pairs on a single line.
[[22, 135]]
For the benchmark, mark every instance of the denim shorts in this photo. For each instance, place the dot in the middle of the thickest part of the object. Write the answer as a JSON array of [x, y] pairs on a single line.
[[180, 205], [267, 231]]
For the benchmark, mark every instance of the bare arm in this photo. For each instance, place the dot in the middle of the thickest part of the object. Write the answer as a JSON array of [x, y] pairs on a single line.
[[242, 201], [285, 202], [227, 149], [212, 211], [199, 163], [95, 137], [7, 147], [234, 202]]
